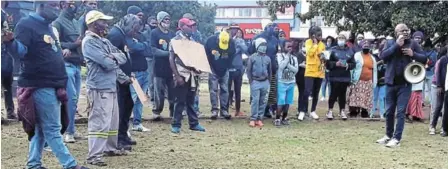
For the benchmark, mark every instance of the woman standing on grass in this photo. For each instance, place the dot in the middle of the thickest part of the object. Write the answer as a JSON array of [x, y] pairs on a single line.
[[339, 66], [364, 80]]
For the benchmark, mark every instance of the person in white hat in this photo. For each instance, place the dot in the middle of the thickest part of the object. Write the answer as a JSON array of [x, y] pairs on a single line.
[[103, 60]]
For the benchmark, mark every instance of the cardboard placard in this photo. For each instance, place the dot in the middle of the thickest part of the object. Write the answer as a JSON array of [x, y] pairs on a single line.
[[140, 93], [192, 54]]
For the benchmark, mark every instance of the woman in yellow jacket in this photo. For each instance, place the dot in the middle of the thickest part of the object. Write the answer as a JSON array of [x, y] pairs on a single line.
[[314, 71]]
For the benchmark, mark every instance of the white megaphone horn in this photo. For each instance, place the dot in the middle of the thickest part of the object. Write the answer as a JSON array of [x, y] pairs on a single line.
[[414, 72]]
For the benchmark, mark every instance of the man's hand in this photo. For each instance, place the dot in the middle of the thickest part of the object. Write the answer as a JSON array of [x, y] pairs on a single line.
[[78, 41], [400, 40], [7, 36], [179, 80], [197, 71], [340, 64], [408, 51], [66, 53]]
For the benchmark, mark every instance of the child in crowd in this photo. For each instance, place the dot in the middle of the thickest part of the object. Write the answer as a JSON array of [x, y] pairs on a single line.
[[258, 73], [287, 69]]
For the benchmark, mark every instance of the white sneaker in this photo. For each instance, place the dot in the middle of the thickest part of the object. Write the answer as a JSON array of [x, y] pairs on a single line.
[[314, 115], [310, 98], [139, 128], [383, 140], [301, 116], [432, 131], [343, 115], [69, 138], [393, 143], [330, 115], [322, 99], [47, 149]]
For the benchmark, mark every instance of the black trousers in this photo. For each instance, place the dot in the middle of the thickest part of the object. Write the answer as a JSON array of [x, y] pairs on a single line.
[[125, 106], [235, 78], [7, 80], [300, 82], [445, 114], [438, 109], [184, 100], [312, 88], [338, 92]]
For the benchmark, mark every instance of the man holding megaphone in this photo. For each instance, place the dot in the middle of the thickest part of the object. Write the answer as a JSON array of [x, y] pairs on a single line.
[[398, 55]]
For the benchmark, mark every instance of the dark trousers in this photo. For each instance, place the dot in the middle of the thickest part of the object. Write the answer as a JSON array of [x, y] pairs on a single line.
[[235, 78], [397, 98], [312, 87], [160, 84], [125, 106], [184, 100], [339, 91], [437, 109], [445, 115], [300, 82], [7, 93]]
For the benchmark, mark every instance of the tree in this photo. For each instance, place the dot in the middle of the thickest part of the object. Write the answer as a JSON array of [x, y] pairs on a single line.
[[379, 17], [204, 13]]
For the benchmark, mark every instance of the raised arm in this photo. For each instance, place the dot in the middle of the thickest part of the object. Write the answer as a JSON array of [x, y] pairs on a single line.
[[388, 51]]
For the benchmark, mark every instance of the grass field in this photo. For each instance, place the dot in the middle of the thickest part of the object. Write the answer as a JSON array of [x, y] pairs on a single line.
[[232, 144]]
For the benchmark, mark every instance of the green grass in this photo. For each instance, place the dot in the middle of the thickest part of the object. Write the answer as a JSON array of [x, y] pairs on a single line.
[[232, 144]]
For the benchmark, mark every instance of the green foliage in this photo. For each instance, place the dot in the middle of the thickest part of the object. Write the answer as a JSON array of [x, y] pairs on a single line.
[[379, 17], [204, 13]]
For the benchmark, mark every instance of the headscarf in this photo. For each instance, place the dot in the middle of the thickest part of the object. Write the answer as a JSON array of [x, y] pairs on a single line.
[[418, 33], [127, 22]]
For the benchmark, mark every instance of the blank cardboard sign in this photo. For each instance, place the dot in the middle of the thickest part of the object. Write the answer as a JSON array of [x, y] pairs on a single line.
[[192, 54]]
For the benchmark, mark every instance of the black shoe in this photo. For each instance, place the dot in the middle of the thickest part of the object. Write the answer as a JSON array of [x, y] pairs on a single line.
[[80, 167], [214, 115], [444, 134], [126, 147], [226, 115], [12, 116], [268, 116]]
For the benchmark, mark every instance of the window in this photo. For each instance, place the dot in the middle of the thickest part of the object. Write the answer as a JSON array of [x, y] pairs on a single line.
[[247, 12], [258, 13], [240, 12]]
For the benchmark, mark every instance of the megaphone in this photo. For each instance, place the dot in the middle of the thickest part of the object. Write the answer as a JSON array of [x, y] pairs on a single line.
[[414, 72]]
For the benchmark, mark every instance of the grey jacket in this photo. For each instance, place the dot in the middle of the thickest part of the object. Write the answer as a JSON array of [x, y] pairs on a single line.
[[103, 63]]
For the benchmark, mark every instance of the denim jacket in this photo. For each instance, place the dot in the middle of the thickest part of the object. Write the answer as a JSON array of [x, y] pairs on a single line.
[[356, 73]]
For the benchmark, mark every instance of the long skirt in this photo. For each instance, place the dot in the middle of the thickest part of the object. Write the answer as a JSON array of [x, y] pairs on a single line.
[[414, 108], [360, 95]]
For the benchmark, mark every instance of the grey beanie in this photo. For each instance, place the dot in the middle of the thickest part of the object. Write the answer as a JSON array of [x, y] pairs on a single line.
[[134, 10], [161, 15]]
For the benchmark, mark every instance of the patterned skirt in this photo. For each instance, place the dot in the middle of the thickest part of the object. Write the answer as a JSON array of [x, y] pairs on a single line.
[[360, 95], [272, 98], [414, 108]]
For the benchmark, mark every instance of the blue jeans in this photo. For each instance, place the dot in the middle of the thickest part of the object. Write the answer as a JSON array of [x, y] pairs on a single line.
[[215, 83], [150, 89], [397, 98], [379, 97], [196, 103], [325, 84], [142, 78], [73, 92], [258, 92], [48, 129]]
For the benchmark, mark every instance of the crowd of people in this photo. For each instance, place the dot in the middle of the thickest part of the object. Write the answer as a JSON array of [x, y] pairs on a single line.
[[363, 77]]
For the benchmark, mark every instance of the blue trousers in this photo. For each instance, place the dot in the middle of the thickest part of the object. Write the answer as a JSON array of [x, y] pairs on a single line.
[[73, 92], [397, 98], [48, 130], [142, 78]]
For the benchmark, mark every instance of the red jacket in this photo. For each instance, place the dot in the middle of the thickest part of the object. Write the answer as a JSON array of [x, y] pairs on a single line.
[[27, 110]]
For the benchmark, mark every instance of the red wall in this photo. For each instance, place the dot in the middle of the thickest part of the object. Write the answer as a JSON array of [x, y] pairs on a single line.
[[252, 29]]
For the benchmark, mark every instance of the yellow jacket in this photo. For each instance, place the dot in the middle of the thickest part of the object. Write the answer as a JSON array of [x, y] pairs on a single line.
[[313, 64]]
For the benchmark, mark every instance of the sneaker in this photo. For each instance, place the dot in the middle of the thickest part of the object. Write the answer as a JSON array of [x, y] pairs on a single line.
[[277, 122], [301, 116], [139, 128], [214, 115], [226, 115], [175, 130], [343, 115], [310, 98], [285, 122], [47, 149], [69, 138], [322, 99], [77, 167], [444, 134], [156, 117], [259, 123], [198, 127], [184, 113], [393, 143], [314, 115], [78, 136], [383, 140], [330, 115], [432, 131], [252, 123], [382, 117], [12, 116], [97, 161]]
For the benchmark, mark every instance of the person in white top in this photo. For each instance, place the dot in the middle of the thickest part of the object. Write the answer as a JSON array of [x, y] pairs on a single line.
[[287, 69]]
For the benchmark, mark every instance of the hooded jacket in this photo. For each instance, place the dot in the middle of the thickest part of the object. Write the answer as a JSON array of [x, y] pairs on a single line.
[[272, 50], [68, 34]]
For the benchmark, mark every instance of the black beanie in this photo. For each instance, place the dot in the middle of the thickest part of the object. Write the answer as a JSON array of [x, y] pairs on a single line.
[[134, 10]]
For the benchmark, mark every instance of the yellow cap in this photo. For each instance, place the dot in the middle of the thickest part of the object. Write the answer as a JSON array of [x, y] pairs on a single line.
[[95, 15], [224, 39]]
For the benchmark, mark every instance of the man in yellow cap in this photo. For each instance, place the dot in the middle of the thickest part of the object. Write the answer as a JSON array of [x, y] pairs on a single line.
[[220, 50], [103, 62]]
